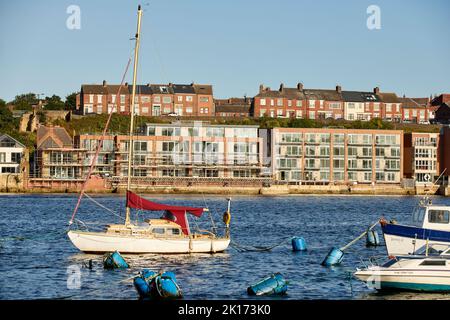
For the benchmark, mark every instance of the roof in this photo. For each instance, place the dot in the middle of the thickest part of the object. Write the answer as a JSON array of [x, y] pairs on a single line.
[[289, 93], [183, 88], [7, 141], [103, 89], [320, 94], [205, 89], [161, 89], [53, 137], [242, 108], [388, 97], [413, 102], [359, 96]]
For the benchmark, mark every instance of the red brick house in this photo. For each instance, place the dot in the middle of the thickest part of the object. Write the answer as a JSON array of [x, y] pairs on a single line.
[[415, 110], [324, 104], [282, 103], [234, 107]]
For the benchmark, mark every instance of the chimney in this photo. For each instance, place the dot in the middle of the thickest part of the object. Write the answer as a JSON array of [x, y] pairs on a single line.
[[281, 87], [170, 84], [261, 88], [299, 86], [338, 89], [126, 84], [104, 83], [148, 84], [376, 90]]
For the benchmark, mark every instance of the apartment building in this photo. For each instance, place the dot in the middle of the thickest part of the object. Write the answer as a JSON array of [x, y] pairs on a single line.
[[421, 157], [56, 157], [151, 99], [338, 156], [12, 155]]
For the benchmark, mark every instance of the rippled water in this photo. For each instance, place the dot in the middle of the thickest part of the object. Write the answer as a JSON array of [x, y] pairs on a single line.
[[37, 256]]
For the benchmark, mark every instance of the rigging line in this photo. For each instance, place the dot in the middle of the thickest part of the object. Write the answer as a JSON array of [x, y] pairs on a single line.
[[104, 207], [94, 159]]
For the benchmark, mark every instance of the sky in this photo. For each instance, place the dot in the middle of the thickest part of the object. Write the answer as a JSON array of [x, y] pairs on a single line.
[[235, 45]]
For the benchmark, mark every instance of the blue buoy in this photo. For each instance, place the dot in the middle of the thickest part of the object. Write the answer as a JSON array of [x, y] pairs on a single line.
[[165, 287], [298, 244], [275, 284], [150, 284], [334, 257], [373, 239], [114, 260]]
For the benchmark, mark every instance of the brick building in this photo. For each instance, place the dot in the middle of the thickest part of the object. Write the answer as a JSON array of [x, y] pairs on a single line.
[[415, 110], [324, 104], [234, 107], [151, 99], [282, 103]]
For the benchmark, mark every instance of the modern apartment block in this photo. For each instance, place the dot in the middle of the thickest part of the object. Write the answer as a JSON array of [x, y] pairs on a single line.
[[421, 157], [12, 152], [151, 99], [338, 156]]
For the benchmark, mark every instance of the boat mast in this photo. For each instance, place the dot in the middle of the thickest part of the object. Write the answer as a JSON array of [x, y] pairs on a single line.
[[133, 97]]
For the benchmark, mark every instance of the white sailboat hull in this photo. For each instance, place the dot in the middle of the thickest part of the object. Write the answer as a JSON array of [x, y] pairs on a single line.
[[100, 242]]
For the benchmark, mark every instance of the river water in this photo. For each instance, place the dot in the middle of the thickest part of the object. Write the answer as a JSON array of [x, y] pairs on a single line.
[[39, 261]]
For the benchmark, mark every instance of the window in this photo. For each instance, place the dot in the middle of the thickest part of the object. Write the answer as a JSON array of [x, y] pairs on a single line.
[[188, 109], [158, 230], [2, 157], [279, 102], [338, 151], [262, 102], [299, 103], [438, 216], [312, 115], [367, 176], [338, 164], [180, 98], [99, 98], [173, 231], [145, 99], [189, 98], [204, 99], [167, 99], [122, 98]]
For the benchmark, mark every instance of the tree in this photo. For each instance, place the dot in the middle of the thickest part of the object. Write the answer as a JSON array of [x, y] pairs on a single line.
[[71, 101], [25, 101], [7, 121], [54, 103]]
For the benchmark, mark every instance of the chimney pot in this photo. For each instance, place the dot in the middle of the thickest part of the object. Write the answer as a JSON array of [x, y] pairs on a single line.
[[376, 90], [338, 89], [104, 83], [261, 88], [299, 86], [281, 87]]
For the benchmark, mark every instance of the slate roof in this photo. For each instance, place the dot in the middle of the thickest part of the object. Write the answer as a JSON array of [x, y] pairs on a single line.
[[289, 93], [205, 89], [360, 96], [183, 88], [242, 108], [388, 97]]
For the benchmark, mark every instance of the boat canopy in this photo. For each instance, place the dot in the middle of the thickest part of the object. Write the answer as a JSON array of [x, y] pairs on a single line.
[[176, 214]]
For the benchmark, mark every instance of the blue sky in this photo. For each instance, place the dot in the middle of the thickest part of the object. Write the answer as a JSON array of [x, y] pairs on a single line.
[[234, 45]]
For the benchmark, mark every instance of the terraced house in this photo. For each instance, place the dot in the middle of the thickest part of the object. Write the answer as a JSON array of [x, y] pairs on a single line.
[[282, 103], [338, 156]]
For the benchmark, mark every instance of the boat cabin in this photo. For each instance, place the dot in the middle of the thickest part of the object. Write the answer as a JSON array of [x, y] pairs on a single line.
[[432, 217], [151, 227]]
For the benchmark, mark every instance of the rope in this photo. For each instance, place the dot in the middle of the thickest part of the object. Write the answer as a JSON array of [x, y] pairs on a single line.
[[102, 206], [99, 146], [247, 248], [358, 237]]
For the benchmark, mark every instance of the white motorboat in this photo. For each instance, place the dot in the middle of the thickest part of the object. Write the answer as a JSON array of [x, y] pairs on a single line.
[[430, 223], [169, 234], [421, 272]]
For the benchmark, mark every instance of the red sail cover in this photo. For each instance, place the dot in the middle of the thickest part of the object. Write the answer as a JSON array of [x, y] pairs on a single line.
[[179, 213]]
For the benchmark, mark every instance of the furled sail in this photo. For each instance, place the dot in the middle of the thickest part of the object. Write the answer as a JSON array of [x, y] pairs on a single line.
[[177, 213]]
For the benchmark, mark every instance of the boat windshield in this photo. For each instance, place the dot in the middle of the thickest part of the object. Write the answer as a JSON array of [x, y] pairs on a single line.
[[418, 215]]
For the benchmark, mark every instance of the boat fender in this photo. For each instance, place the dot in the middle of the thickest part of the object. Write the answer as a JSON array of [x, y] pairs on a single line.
[[372, 239], [226, 217], [114, 260], [142, 287]]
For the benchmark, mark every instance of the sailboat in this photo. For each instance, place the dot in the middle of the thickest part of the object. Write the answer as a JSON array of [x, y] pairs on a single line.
[[169, 234]]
